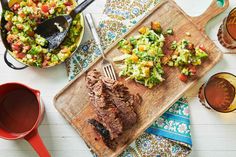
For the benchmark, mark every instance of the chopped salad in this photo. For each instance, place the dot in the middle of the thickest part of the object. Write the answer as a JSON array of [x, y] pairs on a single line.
[[143, 57], [29, 47], [186, 57]]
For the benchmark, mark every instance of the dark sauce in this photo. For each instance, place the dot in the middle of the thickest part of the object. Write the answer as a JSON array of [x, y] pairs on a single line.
[[19, 111]]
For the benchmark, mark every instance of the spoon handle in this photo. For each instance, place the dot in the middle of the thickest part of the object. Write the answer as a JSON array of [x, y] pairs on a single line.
[[80, 8], [5, 5]]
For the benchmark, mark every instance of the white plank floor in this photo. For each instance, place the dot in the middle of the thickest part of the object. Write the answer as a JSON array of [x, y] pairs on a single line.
[[213, 134]]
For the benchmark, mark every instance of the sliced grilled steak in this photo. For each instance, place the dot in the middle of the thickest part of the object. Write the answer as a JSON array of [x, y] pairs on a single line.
[[113, 103], [107, 113], [110, 119]]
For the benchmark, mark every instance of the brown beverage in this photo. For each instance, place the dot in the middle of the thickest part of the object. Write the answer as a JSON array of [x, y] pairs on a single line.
[[227, 32], [231, 24], [219, 92], [19, 111]]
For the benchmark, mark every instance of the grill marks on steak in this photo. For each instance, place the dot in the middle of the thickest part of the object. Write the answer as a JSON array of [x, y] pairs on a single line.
[[113, 104], [110, 119], [103, 132], [127, 113]]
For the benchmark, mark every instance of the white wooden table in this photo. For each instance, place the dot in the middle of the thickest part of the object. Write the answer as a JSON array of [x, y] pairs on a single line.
[[213, 134]]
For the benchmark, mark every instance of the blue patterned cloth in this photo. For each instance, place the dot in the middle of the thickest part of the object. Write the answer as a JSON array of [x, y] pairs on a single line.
[[174, 124]]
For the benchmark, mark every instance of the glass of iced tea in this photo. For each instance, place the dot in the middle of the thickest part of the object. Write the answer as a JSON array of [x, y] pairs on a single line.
[[227, 31], [218, 92]]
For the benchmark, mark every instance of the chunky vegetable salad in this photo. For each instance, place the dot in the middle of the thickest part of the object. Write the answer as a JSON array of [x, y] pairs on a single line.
[[143, 56], [29, 47], [186, 57]]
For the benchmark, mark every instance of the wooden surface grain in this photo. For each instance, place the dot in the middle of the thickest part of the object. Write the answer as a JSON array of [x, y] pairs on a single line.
[[73, 101], [213, 134]]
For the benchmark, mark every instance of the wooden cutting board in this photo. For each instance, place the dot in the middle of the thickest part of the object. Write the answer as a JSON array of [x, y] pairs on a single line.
[[73, 101]]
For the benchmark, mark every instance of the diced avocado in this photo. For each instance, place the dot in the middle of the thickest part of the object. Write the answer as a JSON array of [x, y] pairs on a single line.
[[14, 30], [185, 71], [35, 50], [200, 53], [8, 15], [54, 58], [169, 31], [40, 40], [133, 40]]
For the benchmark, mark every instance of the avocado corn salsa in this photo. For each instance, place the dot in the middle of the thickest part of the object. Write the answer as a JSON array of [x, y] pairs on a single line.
[[29, 47], [186, 57], [144, 57]]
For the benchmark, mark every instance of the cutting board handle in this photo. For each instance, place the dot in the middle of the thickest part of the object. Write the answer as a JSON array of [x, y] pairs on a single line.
[[212, 11]]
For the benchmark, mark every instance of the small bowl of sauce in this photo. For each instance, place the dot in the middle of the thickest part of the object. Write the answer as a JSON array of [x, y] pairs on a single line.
[[21, 112]]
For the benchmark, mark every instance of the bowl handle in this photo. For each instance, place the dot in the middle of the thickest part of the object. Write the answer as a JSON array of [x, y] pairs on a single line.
[[10, 64], [36, 142]]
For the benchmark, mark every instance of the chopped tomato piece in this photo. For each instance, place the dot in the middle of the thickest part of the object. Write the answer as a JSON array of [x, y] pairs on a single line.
[[8, 26], [22, 15], [183, 77], [26, 47], [190, 46], [20, 26], [35, 1], [68, 3], [16, 47], [193, 70], [20, 55], [202, 48], [31, 16], [16, 6], [10, 38], [45, 8], [45, 63]]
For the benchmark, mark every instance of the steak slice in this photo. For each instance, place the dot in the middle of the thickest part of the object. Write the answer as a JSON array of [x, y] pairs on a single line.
[[110, 119], [106, 112], [103, 132], [127, 113]]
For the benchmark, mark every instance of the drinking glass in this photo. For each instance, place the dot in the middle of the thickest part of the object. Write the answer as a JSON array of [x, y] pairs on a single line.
[[218, 92], [227, 31]]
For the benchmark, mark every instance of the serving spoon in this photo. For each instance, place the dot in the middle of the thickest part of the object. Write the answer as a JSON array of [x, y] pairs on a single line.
[[54, 30]]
